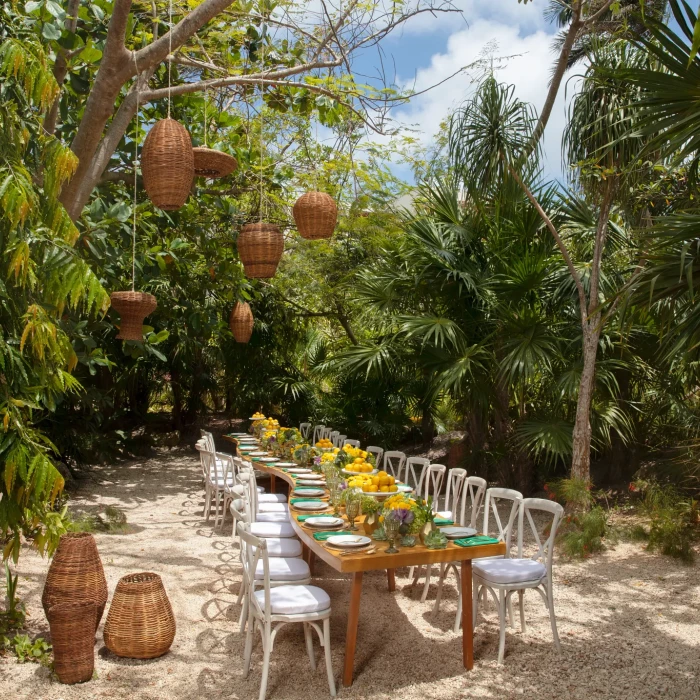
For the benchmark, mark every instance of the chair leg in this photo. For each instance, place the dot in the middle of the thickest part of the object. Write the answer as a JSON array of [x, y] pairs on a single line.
[[241, 593], [309, 645], [502, 624], [552, 617], [248, 650], [411, 571], [426, 585], [216, 511], [267, 648], [327, 650], [244, 613], [511, 616], [521, 597], [207, 503], [441, 581]]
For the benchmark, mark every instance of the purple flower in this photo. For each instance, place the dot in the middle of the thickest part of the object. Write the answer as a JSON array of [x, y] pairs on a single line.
[[402, 515], [343, 486], [317, 460]]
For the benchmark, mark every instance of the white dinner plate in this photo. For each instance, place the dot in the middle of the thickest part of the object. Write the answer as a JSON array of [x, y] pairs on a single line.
[[456, 533], [348, 541], [240, 435], [310, 505], [347, 471], [271, 459], [403, 488], [310, 482], [251, 418], [257, 453], [248, 441], [287, 464], [303, 491], [324, 521], [301, 470]]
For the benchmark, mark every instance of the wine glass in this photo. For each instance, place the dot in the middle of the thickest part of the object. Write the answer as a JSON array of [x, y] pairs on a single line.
[[352, 508], [391, 528], [335, 495]]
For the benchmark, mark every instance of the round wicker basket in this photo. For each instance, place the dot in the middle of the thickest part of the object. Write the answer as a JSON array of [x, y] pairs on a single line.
[[133, 307], [76, 575], [73, 640], [211, 163], [140, 622], [167, 164], [260, 247], [241, 322], [315, 214]]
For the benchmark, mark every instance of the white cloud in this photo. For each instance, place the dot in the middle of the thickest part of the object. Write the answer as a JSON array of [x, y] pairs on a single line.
[[529, 71]]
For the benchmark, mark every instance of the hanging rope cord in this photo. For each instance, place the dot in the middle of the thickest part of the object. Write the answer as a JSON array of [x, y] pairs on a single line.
[[170, 48], [136, 181], [262, 122]]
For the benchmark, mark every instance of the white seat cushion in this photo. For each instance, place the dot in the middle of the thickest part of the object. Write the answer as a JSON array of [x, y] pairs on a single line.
[[447, 514], [260, 489], [272, 530], [295, 600], [272, 498], [509, 570], [220, 483], [283, 546], [273, 518], [273, 508], [284, 569]]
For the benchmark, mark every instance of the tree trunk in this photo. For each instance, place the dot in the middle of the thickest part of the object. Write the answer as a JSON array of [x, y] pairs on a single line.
[[581, 448]]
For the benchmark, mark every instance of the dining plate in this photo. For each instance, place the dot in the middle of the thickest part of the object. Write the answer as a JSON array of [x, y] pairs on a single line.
[[404, 488], [347, 471], [455, 533], [310, 482], [258, 453], [253, 418], [327, 521], [286, 464], [310, 505], [301, 470], [239, 435], [348, 541], [303, 491], [271, 459], [248, 441]]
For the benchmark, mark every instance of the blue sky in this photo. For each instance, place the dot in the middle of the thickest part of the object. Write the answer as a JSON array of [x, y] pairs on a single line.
[[428, 49]]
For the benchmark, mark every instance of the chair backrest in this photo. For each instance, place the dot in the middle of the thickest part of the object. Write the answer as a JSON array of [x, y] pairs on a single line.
[[377, 452], [453, 490], [431, 483], [545, 547], [413, 470], [334, 436], [254, 550], [393, 463], [318, 433], [493, 497], [209, 440], [352, 443], [473, 491], [339, 440], [240, 511], [326, 432], [209, 466], [305, 430]]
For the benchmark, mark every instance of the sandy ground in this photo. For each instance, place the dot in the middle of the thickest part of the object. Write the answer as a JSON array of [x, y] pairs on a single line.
[[628, 620]]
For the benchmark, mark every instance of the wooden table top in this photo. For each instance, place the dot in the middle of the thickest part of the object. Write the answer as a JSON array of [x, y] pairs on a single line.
[[352, 562]]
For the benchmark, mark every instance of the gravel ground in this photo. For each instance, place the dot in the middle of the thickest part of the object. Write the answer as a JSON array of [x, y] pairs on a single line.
[[628, 620]]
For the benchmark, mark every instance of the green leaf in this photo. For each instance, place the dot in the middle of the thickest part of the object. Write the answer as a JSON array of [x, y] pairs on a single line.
[[696, 42], [52, 32], [33, 5]]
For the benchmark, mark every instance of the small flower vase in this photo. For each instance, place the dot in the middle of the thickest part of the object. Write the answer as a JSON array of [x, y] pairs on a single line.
[[426, 531], [370, 523]]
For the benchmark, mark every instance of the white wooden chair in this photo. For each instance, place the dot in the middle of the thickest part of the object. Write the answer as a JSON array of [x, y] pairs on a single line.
[[339, 441], [305, 430], [318, 433], [352, 443], [271, 608], [278, 544], [471, 500], [327, 433], [455, 481], [393, 463], [333, 437], [216, 479], [377, 452], [503, 577], [265, 512], [413, 470]]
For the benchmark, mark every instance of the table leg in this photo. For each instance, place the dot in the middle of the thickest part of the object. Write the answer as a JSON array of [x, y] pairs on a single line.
[[272, 483], [353, 619], [305, 552], [467, 610], [311, 560], [391, 580]]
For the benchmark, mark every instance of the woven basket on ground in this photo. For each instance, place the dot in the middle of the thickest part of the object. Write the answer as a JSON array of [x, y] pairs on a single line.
[[167, 164], [73, 640], [211, 163], [133, 307], [260, 247], [241, 322], [76, 575], [315, 214], [140, 622]]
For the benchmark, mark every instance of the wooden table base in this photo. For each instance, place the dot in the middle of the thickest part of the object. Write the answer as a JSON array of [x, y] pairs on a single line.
[[391, 580], [353, 619]]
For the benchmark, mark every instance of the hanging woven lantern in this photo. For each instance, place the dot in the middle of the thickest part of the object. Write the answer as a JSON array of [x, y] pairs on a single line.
[[315, 214], [211, 163], [167, 164], [133, 307], [241, 322], [260, 247]]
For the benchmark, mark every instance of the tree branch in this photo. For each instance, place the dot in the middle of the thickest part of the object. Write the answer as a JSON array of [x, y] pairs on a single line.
[[599, 247]]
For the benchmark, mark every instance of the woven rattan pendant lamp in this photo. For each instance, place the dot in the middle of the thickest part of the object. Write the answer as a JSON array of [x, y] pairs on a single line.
[[260, 245], [315, 214], [241, 322], [168, 160], [133, 306], [209, 162]]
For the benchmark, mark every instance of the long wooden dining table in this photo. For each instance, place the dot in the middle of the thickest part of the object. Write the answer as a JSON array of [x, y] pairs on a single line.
[[356, 563]]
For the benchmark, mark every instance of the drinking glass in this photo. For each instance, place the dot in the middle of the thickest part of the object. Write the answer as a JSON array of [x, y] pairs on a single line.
[[391, 528], [352, 508]]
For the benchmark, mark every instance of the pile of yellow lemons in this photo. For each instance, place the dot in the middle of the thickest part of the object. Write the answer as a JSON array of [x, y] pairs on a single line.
[[359, 465], [258, 416], [381, 482], [324, 443]]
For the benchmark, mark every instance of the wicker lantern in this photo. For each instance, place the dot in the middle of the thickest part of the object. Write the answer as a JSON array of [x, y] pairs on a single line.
[[133, 307], [315, 214], [167, 164], [260, 247], [211, 163], [241, 322]]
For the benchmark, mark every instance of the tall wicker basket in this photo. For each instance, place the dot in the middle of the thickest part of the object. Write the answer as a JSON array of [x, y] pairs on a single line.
[[260, 247], [315, 214], [73, 640], [241, 322], [133, 307], [211, 163], [140, 623], [76, 575], [167, 164]]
